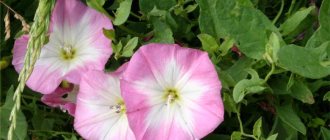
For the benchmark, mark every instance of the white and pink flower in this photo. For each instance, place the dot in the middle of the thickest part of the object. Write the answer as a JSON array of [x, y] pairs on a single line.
[[171, 92], [101, 111], [76, 45]]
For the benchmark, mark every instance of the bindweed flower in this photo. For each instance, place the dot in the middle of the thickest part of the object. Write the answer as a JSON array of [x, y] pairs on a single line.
[[76, 45], [101, 112], [171, 93], [63, 97]]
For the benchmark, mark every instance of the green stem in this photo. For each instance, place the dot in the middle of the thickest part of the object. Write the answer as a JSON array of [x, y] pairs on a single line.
[[241, 126], [273, 127], [279, 13], [270, 73], [135, 15], [293, 2]]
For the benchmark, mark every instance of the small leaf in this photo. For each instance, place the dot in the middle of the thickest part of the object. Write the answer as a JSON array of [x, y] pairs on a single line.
[[122, 12], [117, 49], [190, 8], [326, 97], [293, 22], [272, 48], [226, 46], [97, 5], [109, 34], [272, 137], [229, 103], [236, 135], [209, 44], [325, 133], [289, 117], [257, 128], [301, 92], [247, 86], [130, 46]]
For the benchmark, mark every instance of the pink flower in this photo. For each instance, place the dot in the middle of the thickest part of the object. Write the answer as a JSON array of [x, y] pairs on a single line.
[[172, 93], [101, 111], [63, 97], [76, 45]]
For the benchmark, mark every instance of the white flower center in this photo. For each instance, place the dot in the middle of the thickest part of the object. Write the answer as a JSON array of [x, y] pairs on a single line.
[[68, 52], [171, 95], [118, 108]]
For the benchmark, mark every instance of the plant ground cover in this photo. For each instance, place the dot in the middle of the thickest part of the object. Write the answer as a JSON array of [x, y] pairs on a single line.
[[271, 56]]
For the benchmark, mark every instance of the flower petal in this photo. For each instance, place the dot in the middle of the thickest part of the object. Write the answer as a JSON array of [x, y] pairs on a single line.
[[19, 52], [94, 118]]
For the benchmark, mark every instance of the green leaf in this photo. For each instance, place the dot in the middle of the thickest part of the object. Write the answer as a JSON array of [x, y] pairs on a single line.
[[130, 46], [257, 128], [147, 5], [162, 32], [289, 117], [109, 34], [301, 92], [97, 5], [325, 133], [245, 24], [20, 132], [322, 33], [272, 48], [248, 86], [293, 22], [122, 12], [209, 44], [226, 46], [229, 103], [326, 97], [117, 49], [306, 62], [236, 136], [272, 137], [190, 8]]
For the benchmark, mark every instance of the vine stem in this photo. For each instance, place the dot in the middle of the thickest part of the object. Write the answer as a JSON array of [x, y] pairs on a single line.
[[293, 2], [37, 39], [270, 72], [279, 13], [241, 127]]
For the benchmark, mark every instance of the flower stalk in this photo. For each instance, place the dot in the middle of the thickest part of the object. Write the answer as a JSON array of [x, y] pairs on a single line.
[[38, 35]]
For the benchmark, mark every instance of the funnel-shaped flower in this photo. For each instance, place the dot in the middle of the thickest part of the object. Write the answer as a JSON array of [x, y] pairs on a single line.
[[76, 45], [63, 97], [171, 93], [101, 112]]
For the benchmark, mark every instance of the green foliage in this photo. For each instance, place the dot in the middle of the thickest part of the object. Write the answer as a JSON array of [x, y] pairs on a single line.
[[273, 64], [21, 129]]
